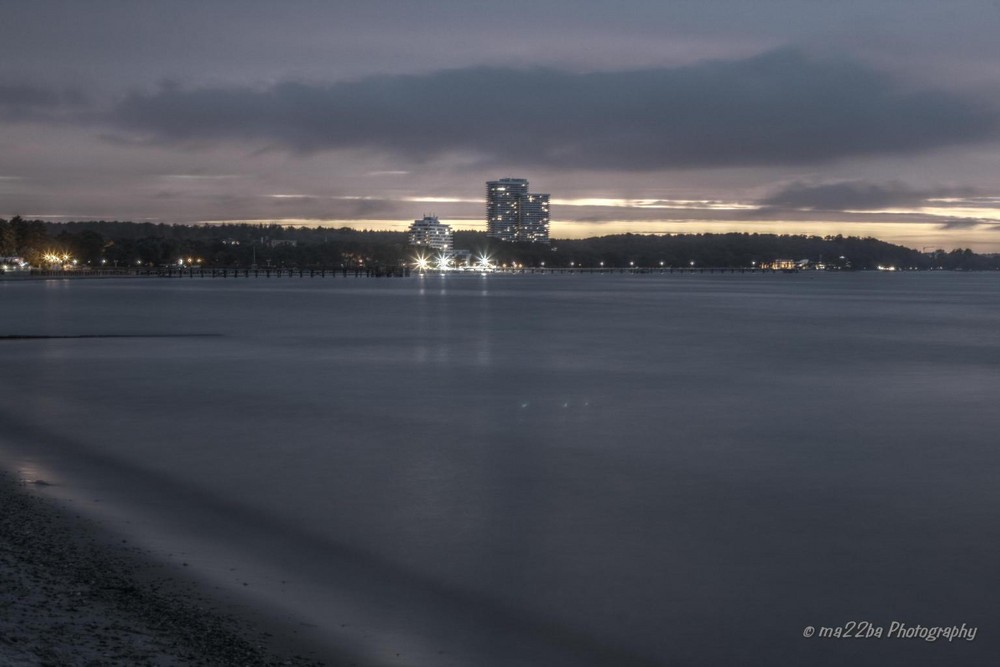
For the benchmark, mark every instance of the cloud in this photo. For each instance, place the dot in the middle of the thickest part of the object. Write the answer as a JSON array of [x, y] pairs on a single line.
[[966, 223], [26, 102], [853, 195], [779, 108]]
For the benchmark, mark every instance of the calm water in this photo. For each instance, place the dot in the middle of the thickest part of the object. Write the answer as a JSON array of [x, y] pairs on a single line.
[[540, 470]]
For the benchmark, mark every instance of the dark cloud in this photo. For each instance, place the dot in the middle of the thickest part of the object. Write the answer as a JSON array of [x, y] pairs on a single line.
[[853, 195], [964, 223], [779, 108], [25, 102]]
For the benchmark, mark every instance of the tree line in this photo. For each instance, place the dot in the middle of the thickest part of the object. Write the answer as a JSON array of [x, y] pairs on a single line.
[[121, 244]]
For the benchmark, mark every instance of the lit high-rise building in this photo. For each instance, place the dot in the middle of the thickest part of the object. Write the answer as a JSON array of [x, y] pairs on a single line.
[[432, 233], [534, 219], [515, 215]]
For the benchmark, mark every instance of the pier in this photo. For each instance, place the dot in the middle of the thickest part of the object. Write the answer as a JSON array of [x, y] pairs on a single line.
[[360, 272], [207, 272]]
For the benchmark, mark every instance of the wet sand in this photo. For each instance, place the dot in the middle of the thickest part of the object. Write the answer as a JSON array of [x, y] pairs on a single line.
[[72, 595]]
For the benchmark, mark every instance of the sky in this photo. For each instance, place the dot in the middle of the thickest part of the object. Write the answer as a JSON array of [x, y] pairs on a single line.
[[856, 117]]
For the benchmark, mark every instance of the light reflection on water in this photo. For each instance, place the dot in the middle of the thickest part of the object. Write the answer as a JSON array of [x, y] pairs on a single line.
[[597, 470]]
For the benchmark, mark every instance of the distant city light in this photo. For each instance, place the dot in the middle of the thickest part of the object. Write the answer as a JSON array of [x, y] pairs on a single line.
[[56, 260], [485, 263]]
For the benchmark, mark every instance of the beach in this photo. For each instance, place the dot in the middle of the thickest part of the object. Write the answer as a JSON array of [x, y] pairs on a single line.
[[72, 595]]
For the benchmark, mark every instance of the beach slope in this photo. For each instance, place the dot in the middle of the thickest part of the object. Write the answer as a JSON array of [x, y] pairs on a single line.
[[71, 595]]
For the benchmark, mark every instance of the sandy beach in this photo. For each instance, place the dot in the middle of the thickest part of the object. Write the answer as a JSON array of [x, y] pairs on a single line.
[[72, 595]]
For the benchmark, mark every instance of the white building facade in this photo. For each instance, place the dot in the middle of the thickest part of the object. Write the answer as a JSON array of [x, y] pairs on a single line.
[[431, 233]]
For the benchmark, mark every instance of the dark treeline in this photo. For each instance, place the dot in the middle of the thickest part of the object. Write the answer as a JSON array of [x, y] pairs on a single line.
[[120, 244], [104, 243], [721, 250]]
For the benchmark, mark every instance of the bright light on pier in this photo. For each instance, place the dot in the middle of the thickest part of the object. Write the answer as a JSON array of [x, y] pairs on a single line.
[[485, 263], [421, 263], [450, 261]]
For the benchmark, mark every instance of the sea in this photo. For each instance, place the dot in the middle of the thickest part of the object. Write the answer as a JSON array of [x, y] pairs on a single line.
[[540, 469]]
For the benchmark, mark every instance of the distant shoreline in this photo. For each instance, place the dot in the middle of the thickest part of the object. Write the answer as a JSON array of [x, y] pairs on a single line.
[[285, 272], [116, 245]]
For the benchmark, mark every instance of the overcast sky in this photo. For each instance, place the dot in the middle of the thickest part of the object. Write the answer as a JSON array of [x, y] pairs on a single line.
[[874, 117]]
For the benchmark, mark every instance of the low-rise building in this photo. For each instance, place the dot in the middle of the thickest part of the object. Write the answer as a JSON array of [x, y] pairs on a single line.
[[781, 265], [12, 264]]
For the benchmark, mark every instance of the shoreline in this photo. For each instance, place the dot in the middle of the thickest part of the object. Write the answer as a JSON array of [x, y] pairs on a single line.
[[71, 594]]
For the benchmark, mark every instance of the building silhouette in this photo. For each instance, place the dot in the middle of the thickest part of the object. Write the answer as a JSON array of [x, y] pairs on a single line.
[[515, 215]]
